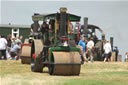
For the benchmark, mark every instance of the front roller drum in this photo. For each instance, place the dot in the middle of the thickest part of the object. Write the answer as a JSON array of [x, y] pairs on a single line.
[[65, 63], [36, 49]]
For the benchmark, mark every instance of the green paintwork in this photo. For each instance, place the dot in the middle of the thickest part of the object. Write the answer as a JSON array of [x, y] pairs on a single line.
[[74, 17], [61, 49], [40, 17], [56, 40], [5, 31], [72, 36]]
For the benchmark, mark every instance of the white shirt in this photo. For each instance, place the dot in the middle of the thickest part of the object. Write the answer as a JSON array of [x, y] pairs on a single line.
[[126, 56], [3, 43], [90, 44], [107, 48], [16, 48]]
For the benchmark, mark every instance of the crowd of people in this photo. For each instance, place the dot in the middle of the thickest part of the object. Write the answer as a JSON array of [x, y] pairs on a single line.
[[87, 48], [35, 27], [10, 47]]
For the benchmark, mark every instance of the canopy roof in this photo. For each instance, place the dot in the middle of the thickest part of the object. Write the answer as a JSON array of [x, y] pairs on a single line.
[[90, 26], [41, 17]]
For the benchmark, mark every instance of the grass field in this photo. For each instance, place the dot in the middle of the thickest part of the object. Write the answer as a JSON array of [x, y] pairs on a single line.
[[97, 73]]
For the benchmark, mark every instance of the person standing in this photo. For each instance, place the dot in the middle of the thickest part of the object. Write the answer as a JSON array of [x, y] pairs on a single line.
[[45, 32], [9, 41], [44, 27], [90, 46], [107, 50], [71, 28], [35, 27], [13, 42], [77, 31], [9, 45], [82, 47], [77, 27], [3, 46], [117, 52], [20, 39], [126, 57]]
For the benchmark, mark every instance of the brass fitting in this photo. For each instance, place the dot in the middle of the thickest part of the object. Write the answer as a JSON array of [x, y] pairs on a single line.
[[63, 9]]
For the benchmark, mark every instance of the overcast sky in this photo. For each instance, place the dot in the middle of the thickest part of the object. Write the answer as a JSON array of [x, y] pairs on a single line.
[[111, 16]]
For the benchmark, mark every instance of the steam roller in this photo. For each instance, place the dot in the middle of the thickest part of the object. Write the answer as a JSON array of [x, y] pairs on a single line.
[[53, 46], [58, 60]]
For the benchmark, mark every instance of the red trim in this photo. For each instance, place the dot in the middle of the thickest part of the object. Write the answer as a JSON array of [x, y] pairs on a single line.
[[48, 52], [78, 34], [64, 38], [25, 45]]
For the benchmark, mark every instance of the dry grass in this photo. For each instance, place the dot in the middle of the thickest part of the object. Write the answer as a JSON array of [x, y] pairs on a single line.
[[97, 73]]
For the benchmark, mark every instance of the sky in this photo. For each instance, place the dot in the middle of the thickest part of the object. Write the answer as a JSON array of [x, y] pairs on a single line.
[[109, 15]]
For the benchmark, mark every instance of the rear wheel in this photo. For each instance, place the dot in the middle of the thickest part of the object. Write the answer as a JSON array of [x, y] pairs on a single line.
[[36, 65], [25, 54], [51, 68]]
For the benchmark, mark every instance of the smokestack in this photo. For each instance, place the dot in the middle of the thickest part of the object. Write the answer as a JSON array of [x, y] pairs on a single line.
[[111, 41], [86, 27]]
